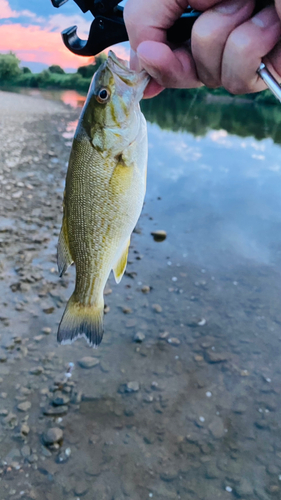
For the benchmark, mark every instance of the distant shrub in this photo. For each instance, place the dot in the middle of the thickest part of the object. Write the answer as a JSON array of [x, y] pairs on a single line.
[[9, 67], [88, 71], [25, 69], [55, 68]]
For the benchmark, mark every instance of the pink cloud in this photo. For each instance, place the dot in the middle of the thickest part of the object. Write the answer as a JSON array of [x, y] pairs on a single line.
[[34, 43]]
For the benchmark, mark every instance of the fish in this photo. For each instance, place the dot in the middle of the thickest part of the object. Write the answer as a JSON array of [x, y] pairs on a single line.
[[104, 194]]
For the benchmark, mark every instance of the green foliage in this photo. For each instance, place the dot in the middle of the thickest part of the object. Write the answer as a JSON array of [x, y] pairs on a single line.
[[55, 68], [88, 71], [9, 67], [25, 69]]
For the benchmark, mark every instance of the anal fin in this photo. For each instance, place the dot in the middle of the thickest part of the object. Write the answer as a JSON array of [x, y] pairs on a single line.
[[120, 266], [64, 256]]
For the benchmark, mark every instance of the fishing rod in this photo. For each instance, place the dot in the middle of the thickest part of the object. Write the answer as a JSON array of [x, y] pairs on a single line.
[[108, 28]]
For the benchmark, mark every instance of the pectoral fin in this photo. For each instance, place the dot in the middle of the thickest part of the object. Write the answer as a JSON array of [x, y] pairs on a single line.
[[64, 256], [120, 266]]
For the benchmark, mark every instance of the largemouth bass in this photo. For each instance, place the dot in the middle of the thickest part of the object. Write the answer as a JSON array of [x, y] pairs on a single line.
[[104, 193]]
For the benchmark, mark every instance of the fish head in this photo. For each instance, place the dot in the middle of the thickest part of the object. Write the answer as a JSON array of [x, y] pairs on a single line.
[[112, 103]]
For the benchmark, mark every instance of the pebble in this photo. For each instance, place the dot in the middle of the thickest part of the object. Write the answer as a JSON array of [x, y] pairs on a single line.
[[139, 337], [88, 362], [159, 235], [25, 451], [145, 289], [217, 428], [63, 456], [81, 488], [47, 330], [55, 410], [173, 341], [215, 357], [38, 338], [157, 308], [3, 412], [25, 406], [37, 370], [25, 429], [244, 488], [3, 358], [132, 387], [52, 436], [163, 335], [127, 310], [60, 399]]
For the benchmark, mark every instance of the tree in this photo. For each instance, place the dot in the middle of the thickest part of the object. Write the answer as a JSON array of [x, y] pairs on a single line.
[[55, 68], [25, 69], [88, 71], [9, 66]]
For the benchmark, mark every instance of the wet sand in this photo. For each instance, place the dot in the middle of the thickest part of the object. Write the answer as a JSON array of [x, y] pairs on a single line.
[[191, 412]]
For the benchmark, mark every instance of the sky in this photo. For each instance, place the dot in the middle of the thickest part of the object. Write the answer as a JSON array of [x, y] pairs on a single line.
[[31, 29]]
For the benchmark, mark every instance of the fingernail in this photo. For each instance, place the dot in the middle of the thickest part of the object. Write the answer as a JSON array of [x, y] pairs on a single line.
[[229, 7], [267, 17], [135, 63]]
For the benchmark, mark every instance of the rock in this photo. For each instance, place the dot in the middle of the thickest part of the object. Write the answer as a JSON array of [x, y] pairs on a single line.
[[273, 470], [132, 387], [3, 412], [148, 399], [163, 335], [274, 489], [216, 357], [169, 475], [244, 489], [51, 411], [37, 370], [88, 362], [45, 452], [139, 337], [211, 471], [25, 429], [145, 289], [53, 435], [3, 357], [127, 310], [81, 488], [63, 456], [46, 330], [159, 235], [38, 338], [217, 428], [25, 406], [157, 308], [25, 451], [60, 399], [173, 341], [239, 407]]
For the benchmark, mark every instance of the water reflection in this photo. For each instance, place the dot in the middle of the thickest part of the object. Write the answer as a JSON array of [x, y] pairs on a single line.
[[174, 110]]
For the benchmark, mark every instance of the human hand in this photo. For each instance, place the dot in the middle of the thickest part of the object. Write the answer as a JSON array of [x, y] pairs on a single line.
[[227, 41]]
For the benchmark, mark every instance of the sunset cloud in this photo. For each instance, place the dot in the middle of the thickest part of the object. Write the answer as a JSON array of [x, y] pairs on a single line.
[[39, 40]]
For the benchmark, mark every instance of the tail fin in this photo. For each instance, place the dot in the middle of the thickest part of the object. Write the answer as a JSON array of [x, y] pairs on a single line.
[[81, 321]]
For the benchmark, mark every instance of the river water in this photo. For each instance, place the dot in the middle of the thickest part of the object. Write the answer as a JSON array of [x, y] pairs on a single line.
[[193, 411]]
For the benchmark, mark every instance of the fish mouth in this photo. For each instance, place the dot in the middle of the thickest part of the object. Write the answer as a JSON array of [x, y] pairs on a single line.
[[121, 68]]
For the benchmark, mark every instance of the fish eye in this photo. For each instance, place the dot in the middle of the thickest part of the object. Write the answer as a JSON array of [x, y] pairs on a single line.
[[103, 96]]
